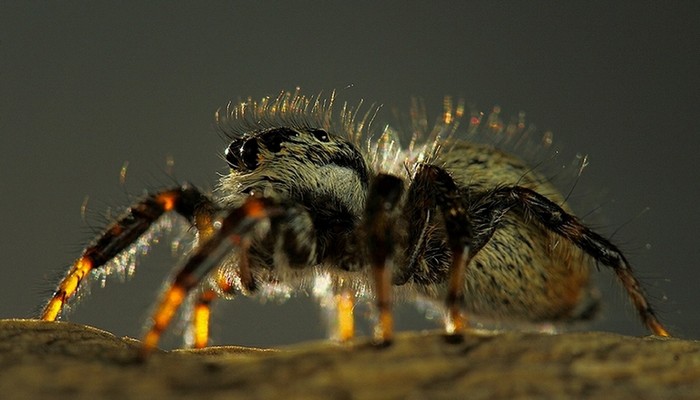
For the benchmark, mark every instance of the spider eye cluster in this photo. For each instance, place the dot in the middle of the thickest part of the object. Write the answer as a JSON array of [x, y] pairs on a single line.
[[242, 154]]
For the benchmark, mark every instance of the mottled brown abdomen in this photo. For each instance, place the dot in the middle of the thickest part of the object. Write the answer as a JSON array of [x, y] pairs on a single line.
[[525, 271]]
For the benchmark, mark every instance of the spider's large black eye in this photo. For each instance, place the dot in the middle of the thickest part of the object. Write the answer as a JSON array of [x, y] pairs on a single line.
[[242, 154], [321, 135], [231, 153], [273, 139], [249, 153]]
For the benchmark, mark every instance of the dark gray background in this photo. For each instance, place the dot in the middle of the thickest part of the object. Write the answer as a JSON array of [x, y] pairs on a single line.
[[87, 86]]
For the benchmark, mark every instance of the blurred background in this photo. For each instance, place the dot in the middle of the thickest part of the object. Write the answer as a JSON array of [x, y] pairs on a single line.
[[87, 87]]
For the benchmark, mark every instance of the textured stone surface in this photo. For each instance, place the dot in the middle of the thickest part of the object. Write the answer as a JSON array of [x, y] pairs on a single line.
[[63, 360]]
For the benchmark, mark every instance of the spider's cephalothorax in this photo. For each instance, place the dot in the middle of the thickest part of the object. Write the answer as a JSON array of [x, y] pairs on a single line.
[[312, 195], [319, 174]]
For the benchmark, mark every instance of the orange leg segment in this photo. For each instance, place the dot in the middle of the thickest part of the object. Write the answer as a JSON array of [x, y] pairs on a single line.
[[67, 287], [384, 331], [200, 319], [202, 312], [235, 228], [456, 321], [119, 236], [345, 304], [380, 218]]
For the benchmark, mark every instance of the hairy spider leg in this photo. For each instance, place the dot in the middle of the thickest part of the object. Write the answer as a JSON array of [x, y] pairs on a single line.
[[203, 302], [185, 200], [554, 218], [200, 319], [202, 310], [380, 220], [297, 254], [460, 239], [345, 316], [235, 229]]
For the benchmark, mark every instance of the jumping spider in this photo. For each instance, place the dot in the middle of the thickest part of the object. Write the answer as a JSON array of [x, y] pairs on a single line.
[[310, 194]]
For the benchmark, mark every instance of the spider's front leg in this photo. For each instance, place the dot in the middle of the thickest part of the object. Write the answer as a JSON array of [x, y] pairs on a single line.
[[185, 200], [293, 247], [257, 217]]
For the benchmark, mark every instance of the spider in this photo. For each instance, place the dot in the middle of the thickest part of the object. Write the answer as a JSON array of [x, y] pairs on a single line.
[[311, 194]]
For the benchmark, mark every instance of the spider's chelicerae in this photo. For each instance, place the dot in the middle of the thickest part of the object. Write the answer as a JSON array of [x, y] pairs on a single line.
[[311, 194]]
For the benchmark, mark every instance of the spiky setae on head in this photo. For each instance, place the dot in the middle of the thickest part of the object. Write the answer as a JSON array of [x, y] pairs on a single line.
[[296, 148], [294, 144], [297, 111], [384, 148]]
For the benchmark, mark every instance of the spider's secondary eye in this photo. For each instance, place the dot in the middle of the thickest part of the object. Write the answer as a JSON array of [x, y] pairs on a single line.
[[321, 135], [273, 139]]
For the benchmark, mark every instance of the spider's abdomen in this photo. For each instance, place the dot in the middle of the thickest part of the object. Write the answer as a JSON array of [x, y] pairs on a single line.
[[525, 271]]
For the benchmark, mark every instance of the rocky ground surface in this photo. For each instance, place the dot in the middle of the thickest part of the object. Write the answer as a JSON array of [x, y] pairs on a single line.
[[64, 360]]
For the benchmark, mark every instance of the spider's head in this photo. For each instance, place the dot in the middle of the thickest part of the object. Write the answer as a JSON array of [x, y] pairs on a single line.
[[304, 164]]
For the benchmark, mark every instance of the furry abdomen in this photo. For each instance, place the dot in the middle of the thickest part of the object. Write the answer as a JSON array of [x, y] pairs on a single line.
[[524, 271]]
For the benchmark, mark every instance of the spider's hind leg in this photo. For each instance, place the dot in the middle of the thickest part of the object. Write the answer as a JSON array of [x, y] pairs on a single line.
[[436, 188], [556, 219], [185, 200]]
